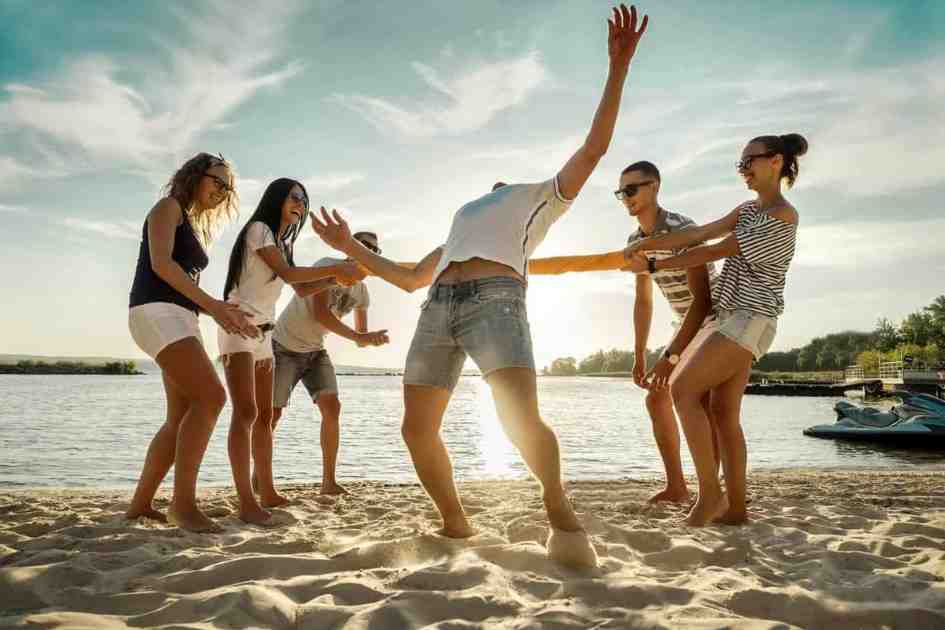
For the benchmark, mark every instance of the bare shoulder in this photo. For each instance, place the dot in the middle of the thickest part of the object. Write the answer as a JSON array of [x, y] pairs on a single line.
[[785, 213], [168, 209]]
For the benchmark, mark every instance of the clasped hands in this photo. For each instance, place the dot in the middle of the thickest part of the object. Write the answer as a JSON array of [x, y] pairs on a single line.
[[636, 260]]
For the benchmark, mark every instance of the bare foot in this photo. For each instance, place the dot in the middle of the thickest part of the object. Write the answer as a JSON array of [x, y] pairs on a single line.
[[670, 495], [273, 500], [706, 509], [561, 515], [147, 512], [192, 520], [460, 530], [732, 517], [571, 549], [254, 515], [332, 488]]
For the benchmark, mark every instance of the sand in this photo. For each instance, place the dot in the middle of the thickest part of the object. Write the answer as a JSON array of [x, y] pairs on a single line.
[[837, 550]]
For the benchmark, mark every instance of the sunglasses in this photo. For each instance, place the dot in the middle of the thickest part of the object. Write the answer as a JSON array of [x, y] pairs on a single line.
[[300, 197], [371, 246], [221, 183], [745, 163], [630, 190]]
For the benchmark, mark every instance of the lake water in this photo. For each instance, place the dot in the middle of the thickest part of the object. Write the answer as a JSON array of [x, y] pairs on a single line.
[[62, 431]]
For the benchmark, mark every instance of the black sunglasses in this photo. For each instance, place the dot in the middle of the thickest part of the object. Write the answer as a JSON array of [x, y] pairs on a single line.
[[221, 183], [630, 190], [300, 197], [745, 163], [371, 246]]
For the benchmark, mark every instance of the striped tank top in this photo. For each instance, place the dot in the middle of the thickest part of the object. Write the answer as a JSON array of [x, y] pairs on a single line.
[[673, 283], [754, 279]]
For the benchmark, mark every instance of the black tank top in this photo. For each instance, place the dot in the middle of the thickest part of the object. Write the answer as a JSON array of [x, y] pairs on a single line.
[[148, 287]]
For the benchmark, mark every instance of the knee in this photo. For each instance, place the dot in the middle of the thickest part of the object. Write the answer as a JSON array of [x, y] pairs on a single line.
[[244, 412], [655, 399], [212, 398], [264, 415], [330, 408], [414, 432]]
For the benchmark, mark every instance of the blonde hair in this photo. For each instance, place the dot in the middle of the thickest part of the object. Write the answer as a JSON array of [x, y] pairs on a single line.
[[183, 187]]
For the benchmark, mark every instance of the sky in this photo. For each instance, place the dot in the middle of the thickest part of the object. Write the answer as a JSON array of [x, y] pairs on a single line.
[[398, 114]]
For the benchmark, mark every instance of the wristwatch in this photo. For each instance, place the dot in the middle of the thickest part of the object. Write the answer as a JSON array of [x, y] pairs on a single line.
[[672, 358], [651, 265]]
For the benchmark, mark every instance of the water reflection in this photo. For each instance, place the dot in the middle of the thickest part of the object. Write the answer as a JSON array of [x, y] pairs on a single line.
[[497, 453], [853, 450]]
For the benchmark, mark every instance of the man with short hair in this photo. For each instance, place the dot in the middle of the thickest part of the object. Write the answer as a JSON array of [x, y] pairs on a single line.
[[688, 292], [299, 348]]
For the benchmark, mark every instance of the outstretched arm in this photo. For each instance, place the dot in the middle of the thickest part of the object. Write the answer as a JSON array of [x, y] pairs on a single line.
[[696, 256], [554, 265], [687, 237], [320, 309], [334, 230], [622, 40], [346, 273]]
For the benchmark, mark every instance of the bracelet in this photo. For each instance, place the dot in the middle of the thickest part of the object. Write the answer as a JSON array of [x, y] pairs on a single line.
[[651, 265]]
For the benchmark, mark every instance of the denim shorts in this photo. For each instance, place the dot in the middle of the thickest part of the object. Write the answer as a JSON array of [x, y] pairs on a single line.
[[484, 319], [314, 369], [752, 331]]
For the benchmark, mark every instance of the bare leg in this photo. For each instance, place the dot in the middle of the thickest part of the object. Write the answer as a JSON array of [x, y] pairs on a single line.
[[727, 403], [660, 406], [262, 438], [715, 361], [160, 455], [188, 376], [423, 415], [516, 402], [330, 408], [241, 380], [276, 415]]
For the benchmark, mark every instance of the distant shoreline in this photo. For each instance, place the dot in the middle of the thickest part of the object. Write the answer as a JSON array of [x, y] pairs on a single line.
[[33, 368]]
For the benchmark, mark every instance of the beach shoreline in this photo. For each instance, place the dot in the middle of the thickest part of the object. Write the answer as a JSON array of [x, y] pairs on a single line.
[[837, 548]]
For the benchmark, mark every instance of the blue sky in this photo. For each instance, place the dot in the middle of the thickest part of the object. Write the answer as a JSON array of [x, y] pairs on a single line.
[[399, 117]]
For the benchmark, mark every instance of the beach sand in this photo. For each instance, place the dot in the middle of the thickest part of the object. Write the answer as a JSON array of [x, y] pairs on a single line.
[[824, 550]]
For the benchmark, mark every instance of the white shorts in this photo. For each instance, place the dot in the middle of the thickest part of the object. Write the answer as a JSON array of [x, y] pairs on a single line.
[[708, 329], [159, 324], [260, 347]]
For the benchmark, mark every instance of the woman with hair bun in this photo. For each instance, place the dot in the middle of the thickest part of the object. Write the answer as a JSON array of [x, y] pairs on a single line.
[[758, 241], [163, 307]]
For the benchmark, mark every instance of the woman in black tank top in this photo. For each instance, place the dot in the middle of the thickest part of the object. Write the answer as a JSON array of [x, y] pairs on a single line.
[[171, 257]]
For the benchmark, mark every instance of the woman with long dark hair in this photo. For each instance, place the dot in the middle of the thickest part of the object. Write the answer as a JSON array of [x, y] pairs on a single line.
[[261, 263], [164, 303], [758, 240]]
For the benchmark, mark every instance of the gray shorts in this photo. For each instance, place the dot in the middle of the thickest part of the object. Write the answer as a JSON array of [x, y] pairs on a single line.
[[752, 331], [484, 319], [314, 369]]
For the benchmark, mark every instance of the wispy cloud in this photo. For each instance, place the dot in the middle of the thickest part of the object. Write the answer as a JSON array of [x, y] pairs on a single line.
[[472, 99], [127, 230], [89, 109]]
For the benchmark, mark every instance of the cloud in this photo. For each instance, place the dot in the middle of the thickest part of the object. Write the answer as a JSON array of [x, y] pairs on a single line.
[[126, 230], [90, 110], [13, 209], [472, 99]]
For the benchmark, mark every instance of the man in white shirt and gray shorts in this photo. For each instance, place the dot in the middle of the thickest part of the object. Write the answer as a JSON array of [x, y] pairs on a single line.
[[298, 344]]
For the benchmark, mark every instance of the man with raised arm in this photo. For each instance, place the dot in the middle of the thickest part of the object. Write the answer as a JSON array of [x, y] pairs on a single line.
[[476, 307]]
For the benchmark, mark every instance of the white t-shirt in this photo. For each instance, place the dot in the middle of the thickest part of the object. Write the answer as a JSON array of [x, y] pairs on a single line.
[[259, 287], [504, 226], [298, 331]]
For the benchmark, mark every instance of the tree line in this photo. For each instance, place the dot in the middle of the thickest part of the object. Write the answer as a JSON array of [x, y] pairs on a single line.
[[70, 367], [919, 338]]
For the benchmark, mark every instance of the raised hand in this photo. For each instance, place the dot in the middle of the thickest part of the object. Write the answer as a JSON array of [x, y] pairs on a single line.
[[623, 36], [332, 229]]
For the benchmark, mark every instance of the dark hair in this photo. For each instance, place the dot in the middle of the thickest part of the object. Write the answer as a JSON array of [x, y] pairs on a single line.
[[791, 146], [269, 211], [183, 187], [647, 168]]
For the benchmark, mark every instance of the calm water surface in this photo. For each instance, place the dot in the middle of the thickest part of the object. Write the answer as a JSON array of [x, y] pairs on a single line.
[[95, 430]]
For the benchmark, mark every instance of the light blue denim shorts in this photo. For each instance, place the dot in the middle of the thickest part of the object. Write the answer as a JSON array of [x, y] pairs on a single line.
[[484, 319], [750, 330]]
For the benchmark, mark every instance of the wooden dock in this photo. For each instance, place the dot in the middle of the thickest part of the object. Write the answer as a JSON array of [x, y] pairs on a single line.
[[869, 387]]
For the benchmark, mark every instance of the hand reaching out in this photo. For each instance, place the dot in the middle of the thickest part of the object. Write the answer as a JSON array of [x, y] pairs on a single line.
[[623, 36], [332, 229], [375, 338]]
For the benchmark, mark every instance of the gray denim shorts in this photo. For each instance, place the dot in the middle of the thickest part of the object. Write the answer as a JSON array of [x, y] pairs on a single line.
[[484, 319], [750, 330], [314, 369]]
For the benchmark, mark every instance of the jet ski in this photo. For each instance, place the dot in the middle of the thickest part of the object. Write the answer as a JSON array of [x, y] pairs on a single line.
[[919, 419]]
